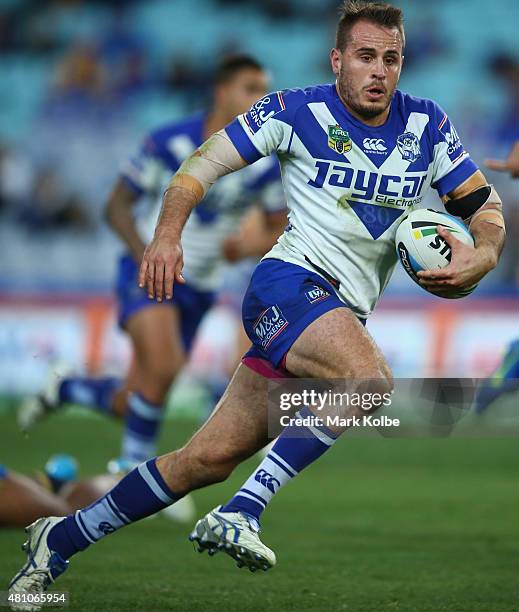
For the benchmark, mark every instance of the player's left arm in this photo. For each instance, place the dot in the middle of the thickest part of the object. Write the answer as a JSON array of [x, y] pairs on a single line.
[[478, 204], [256, 236]]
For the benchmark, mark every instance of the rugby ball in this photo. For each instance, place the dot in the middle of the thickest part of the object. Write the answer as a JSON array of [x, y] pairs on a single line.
[[420, 247]]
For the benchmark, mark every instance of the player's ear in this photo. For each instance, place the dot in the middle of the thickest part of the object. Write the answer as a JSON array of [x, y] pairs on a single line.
[[335, 61]]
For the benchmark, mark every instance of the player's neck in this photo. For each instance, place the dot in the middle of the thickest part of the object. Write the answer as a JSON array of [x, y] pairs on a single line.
[[376, 121], [215, 120]]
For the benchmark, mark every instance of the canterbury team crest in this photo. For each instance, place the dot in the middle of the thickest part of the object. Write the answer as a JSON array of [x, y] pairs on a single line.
[[338, 139], [409, 146]]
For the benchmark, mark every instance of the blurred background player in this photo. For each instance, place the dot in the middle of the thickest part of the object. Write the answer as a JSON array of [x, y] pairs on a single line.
[[56, 489], [162, 333], [505, 379]]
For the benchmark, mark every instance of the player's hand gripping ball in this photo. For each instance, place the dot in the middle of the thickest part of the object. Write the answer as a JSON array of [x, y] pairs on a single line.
[[420, 247]]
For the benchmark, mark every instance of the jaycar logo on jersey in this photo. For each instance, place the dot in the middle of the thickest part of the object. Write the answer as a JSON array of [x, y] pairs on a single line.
[[409, 146], [386, 189], [316, 294], [374, 145], [263, 110], [269, 325]]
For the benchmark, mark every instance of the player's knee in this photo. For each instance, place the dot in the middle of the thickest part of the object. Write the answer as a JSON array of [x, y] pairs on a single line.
[[378, 392], [388, 375], [374, 383], [378, 374]]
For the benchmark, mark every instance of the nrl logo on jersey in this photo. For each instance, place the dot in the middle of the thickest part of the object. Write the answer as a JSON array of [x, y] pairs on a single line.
[[338, 139], [409, 146]]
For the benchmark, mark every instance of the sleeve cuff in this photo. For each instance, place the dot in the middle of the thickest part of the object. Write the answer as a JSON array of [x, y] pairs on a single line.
[[455, 177], [242, 142]]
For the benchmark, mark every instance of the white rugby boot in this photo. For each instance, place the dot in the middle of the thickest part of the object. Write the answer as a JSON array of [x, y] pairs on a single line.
[[236, 534], [43, 565]]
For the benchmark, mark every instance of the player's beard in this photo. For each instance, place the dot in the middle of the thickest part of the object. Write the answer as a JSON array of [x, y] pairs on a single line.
[[351, 96]]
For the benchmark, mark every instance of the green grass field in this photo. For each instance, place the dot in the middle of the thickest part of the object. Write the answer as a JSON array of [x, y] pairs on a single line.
[[377, 524]]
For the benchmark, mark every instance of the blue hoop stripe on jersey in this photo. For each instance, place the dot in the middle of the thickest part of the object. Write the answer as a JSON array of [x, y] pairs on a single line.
[[455, 177], [242, 142]]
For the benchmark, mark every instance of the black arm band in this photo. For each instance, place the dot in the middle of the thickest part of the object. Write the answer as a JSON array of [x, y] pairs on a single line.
[[465, 207]]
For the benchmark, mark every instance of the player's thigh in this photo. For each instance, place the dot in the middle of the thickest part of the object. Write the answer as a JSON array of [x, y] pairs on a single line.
[[336, 345], [156, 339], [236, 429], [24, 500]]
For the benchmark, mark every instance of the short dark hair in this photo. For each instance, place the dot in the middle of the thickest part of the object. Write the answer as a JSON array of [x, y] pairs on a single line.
[[379, 13], [232, 64]]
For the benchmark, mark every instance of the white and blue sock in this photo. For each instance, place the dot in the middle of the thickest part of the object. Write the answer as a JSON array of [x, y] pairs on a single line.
[[297, 447], [94, 393], [139, 494], [143, 421]]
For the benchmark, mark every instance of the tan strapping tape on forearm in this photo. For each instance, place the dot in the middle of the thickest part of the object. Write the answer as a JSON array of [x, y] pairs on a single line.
[[215, 158], [490, 216], [188, 182]]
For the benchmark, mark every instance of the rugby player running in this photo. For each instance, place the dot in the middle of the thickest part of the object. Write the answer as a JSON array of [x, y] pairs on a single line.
[[308, 299]]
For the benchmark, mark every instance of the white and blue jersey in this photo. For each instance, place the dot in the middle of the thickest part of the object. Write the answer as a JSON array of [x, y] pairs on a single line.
[[219, 213], [347, 184]]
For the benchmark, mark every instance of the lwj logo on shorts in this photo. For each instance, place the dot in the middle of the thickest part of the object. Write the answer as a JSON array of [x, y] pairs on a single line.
[[316, 294], [338, 139], [269, 325]]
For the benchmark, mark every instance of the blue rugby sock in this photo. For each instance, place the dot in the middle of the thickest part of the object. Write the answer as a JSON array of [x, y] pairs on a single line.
[[142, 428], [139, 494], [94, 393], [297, 447]]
